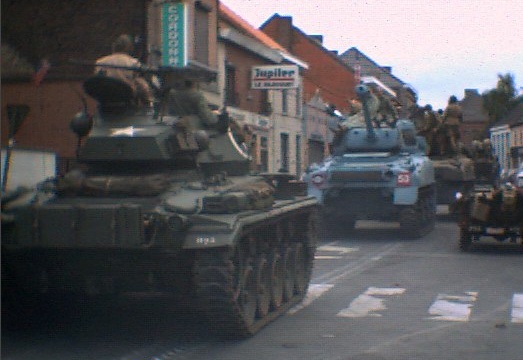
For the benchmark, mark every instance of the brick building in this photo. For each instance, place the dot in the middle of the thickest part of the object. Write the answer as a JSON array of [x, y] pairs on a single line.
[[274, 116], [475, 117], [402, 93], [58, 31], [326, 76]]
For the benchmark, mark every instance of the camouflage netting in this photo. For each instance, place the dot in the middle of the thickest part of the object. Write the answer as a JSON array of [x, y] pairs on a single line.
[[250, 196]]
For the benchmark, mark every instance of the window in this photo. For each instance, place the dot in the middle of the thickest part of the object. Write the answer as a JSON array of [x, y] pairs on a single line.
[[284, 102], [201, 33], [264, 154], [298, 102], [298, 155], [231, 97], [284, 152]]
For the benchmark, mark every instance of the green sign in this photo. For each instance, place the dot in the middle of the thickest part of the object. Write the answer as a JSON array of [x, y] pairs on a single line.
[[173, 34]]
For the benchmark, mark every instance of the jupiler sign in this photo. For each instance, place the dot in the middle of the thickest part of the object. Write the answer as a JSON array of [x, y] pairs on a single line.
[[274, 77]]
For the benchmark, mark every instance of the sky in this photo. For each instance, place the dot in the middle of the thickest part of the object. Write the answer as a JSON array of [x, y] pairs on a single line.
[[439, 47]]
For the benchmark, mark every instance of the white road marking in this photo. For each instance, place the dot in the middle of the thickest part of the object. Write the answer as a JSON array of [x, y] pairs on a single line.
[[314, 292], [517, 309], [453, 307], [327, 257], [368, 304], [338, 249]]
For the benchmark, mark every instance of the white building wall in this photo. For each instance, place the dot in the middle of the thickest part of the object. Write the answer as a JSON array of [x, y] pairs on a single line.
[[500, 140], [288, 122]]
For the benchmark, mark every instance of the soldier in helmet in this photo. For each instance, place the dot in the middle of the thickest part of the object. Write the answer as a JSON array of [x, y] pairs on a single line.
[[386, 112], [452, 118], [114, 66], [186, 99], [430, 127]]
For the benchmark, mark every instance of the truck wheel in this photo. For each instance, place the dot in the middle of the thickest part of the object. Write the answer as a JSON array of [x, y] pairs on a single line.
[[465, 239]]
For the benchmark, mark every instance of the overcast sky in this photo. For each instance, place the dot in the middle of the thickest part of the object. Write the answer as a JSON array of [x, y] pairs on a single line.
[[439, 47]]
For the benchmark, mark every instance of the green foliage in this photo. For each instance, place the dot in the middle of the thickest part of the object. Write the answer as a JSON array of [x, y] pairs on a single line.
[[499, 101]]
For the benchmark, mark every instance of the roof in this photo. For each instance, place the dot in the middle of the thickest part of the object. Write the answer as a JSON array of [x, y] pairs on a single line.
[[354, 49], [240, 23], [249, 30]]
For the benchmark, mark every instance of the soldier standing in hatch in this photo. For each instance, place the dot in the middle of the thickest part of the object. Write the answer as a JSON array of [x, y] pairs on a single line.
[[430, 128], [387, 113], [452, 118], [121, 58], [186, 100]]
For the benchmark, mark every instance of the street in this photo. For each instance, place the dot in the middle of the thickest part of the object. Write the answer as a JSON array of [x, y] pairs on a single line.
[[373, 296]]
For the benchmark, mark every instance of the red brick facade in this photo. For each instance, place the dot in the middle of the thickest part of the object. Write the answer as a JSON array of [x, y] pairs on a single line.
[[326, 72], [59, 31]]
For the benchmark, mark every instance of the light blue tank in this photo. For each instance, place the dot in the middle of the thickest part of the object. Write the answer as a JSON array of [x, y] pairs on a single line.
[[377, 173]]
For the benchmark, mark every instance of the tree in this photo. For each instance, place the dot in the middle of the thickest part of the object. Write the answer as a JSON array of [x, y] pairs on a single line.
[[500, 100]]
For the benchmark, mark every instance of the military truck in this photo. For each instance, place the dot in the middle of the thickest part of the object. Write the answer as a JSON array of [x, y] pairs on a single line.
[[376, 173], [162, 203], [490, 212]]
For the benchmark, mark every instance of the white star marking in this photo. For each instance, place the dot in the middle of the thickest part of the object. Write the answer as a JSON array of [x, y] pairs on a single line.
[[128, 131]]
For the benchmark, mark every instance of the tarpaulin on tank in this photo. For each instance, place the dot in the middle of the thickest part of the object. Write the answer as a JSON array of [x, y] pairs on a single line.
[[77, 183]]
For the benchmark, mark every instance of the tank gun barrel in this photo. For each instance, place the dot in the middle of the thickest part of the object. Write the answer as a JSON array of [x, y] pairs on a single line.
[[364, 94]]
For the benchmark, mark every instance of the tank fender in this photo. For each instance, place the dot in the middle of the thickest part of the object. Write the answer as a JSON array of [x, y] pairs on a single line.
[[405, 195], [227, 231]]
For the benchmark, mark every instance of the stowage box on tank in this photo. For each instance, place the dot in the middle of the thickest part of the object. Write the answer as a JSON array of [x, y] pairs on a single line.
[[165, 203], [376, 173]]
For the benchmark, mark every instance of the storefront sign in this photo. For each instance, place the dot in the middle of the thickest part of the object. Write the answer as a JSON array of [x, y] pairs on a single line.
[[274, 77], [174, 44]]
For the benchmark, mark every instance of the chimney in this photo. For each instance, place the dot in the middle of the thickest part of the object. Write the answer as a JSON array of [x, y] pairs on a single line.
[[388, 69]]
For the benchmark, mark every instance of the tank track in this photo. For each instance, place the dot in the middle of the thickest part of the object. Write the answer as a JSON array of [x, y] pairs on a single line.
[[245, 287], [419, 219]]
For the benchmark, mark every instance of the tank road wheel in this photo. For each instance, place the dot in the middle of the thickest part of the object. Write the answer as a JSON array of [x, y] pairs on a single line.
[[263, 286], [289, 272], [465, 239], [301, 277], [226, 290], [245, 294], [277, 277]]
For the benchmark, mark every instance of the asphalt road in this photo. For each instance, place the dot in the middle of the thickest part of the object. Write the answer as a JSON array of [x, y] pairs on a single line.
[[373, 296]]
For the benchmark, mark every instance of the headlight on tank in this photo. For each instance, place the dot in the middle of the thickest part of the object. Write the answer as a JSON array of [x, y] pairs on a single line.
[[176, 222], [318, 179]]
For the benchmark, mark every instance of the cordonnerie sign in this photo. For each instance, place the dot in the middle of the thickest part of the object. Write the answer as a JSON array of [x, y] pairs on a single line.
[[274, 77]]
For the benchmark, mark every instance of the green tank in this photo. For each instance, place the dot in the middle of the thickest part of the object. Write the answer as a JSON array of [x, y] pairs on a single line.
[[162, 203]]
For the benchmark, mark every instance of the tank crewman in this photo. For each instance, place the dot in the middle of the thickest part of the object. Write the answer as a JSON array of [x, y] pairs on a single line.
[[354, 107], [452, 118], [387, 112], [430, 126], [186, 100], [439, 116], [122, 49]]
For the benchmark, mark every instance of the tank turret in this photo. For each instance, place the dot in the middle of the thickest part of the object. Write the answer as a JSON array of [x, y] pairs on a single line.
[[360, 135]]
